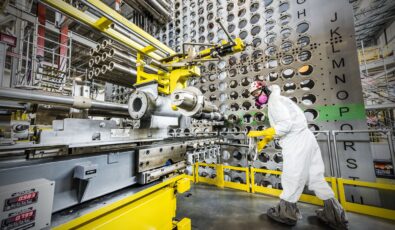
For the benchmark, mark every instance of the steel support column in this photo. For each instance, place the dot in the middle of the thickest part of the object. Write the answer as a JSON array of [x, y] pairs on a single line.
[[41, 11], [3, 53]]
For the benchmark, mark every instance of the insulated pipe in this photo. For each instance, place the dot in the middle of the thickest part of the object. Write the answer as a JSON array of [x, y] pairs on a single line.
[[77, 102]]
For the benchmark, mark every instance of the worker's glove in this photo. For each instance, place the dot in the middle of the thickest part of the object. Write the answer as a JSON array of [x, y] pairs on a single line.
[[262, 144], [255, 133], [269, 133]]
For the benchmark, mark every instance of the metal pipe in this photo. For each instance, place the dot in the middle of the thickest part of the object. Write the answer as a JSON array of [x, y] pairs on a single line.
[[97, 72], [153, 11], [159, 8], [114, 66], [91, 74], [164, 4], [185, 101], [115, 78], [40, 97], [98, 60], [133, 60], [12, 105], [93, 51], [236, 145], [91, 62]]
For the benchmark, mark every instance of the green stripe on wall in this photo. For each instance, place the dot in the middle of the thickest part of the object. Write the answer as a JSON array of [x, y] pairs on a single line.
[[341, 112]]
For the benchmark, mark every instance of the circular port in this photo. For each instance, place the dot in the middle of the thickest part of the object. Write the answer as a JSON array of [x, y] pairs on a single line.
[[255, 30], [242, 23], [288, 73], [254, 7], [309, 99], [230, 17], [259, 117], [310, 114], [232, 73], [269, 25], [284, 7], [303, 41], [245, 93], [233, 84], [223, 97], [305, 70], [255, 18], [270, 51], [247, 118], [222, 76], [285, 33], [234, 95], [237, 155], [286, 46], [273, 76], [246, 105], [289, 87], [234, 107], [302, 28], [285, 19], [307, 84], [270, 38], [287, 59], [304, 55]]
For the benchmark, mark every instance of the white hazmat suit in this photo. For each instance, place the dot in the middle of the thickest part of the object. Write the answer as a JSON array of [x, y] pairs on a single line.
[[302, 160]]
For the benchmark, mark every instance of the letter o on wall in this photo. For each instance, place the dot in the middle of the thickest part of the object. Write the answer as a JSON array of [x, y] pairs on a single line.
[[342, 95]]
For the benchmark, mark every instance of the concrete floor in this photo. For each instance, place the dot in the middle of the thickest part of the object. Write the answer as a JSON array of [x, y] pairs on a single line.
[[227, 209]]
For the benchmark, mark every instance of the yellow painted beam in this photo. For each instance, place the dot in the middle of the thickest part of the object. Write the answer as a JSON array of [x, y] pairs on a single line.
[[108, 10]]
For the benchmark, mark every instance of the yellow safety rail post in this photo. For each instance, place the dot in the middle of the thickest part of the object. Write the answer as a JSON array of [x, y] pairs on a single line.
[[192, 177], [276, 192], [198, 178], [235, 185], [361, 208]]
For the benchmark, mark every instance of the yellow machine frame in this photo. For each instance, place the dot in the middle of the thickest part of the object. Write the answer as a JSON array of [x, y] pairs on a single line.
[[180, 66], [151, 208]]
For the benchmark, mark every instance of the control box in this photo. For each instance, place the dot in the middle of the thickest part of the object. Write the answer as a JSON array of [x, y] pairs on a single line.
[[26, 205]]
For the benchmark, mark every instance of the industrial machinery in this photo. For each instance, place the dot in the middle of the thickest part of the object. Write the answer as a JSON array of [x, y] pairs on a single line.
[[106, 106], [66, 151]]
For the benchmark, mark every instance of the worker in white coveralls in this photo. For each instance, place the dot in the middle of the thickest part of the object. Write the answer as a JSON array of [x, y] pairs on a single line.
[[302, 160]]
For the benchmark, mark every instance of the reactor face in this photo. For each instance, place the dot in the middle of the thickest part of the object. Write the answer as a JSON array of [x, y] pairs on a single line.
[[307, 47]]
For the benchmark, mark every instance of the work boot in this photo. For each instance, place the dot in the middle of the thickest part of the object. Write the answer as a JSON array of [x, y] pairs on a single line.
[[333, 214], [285, 212]]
